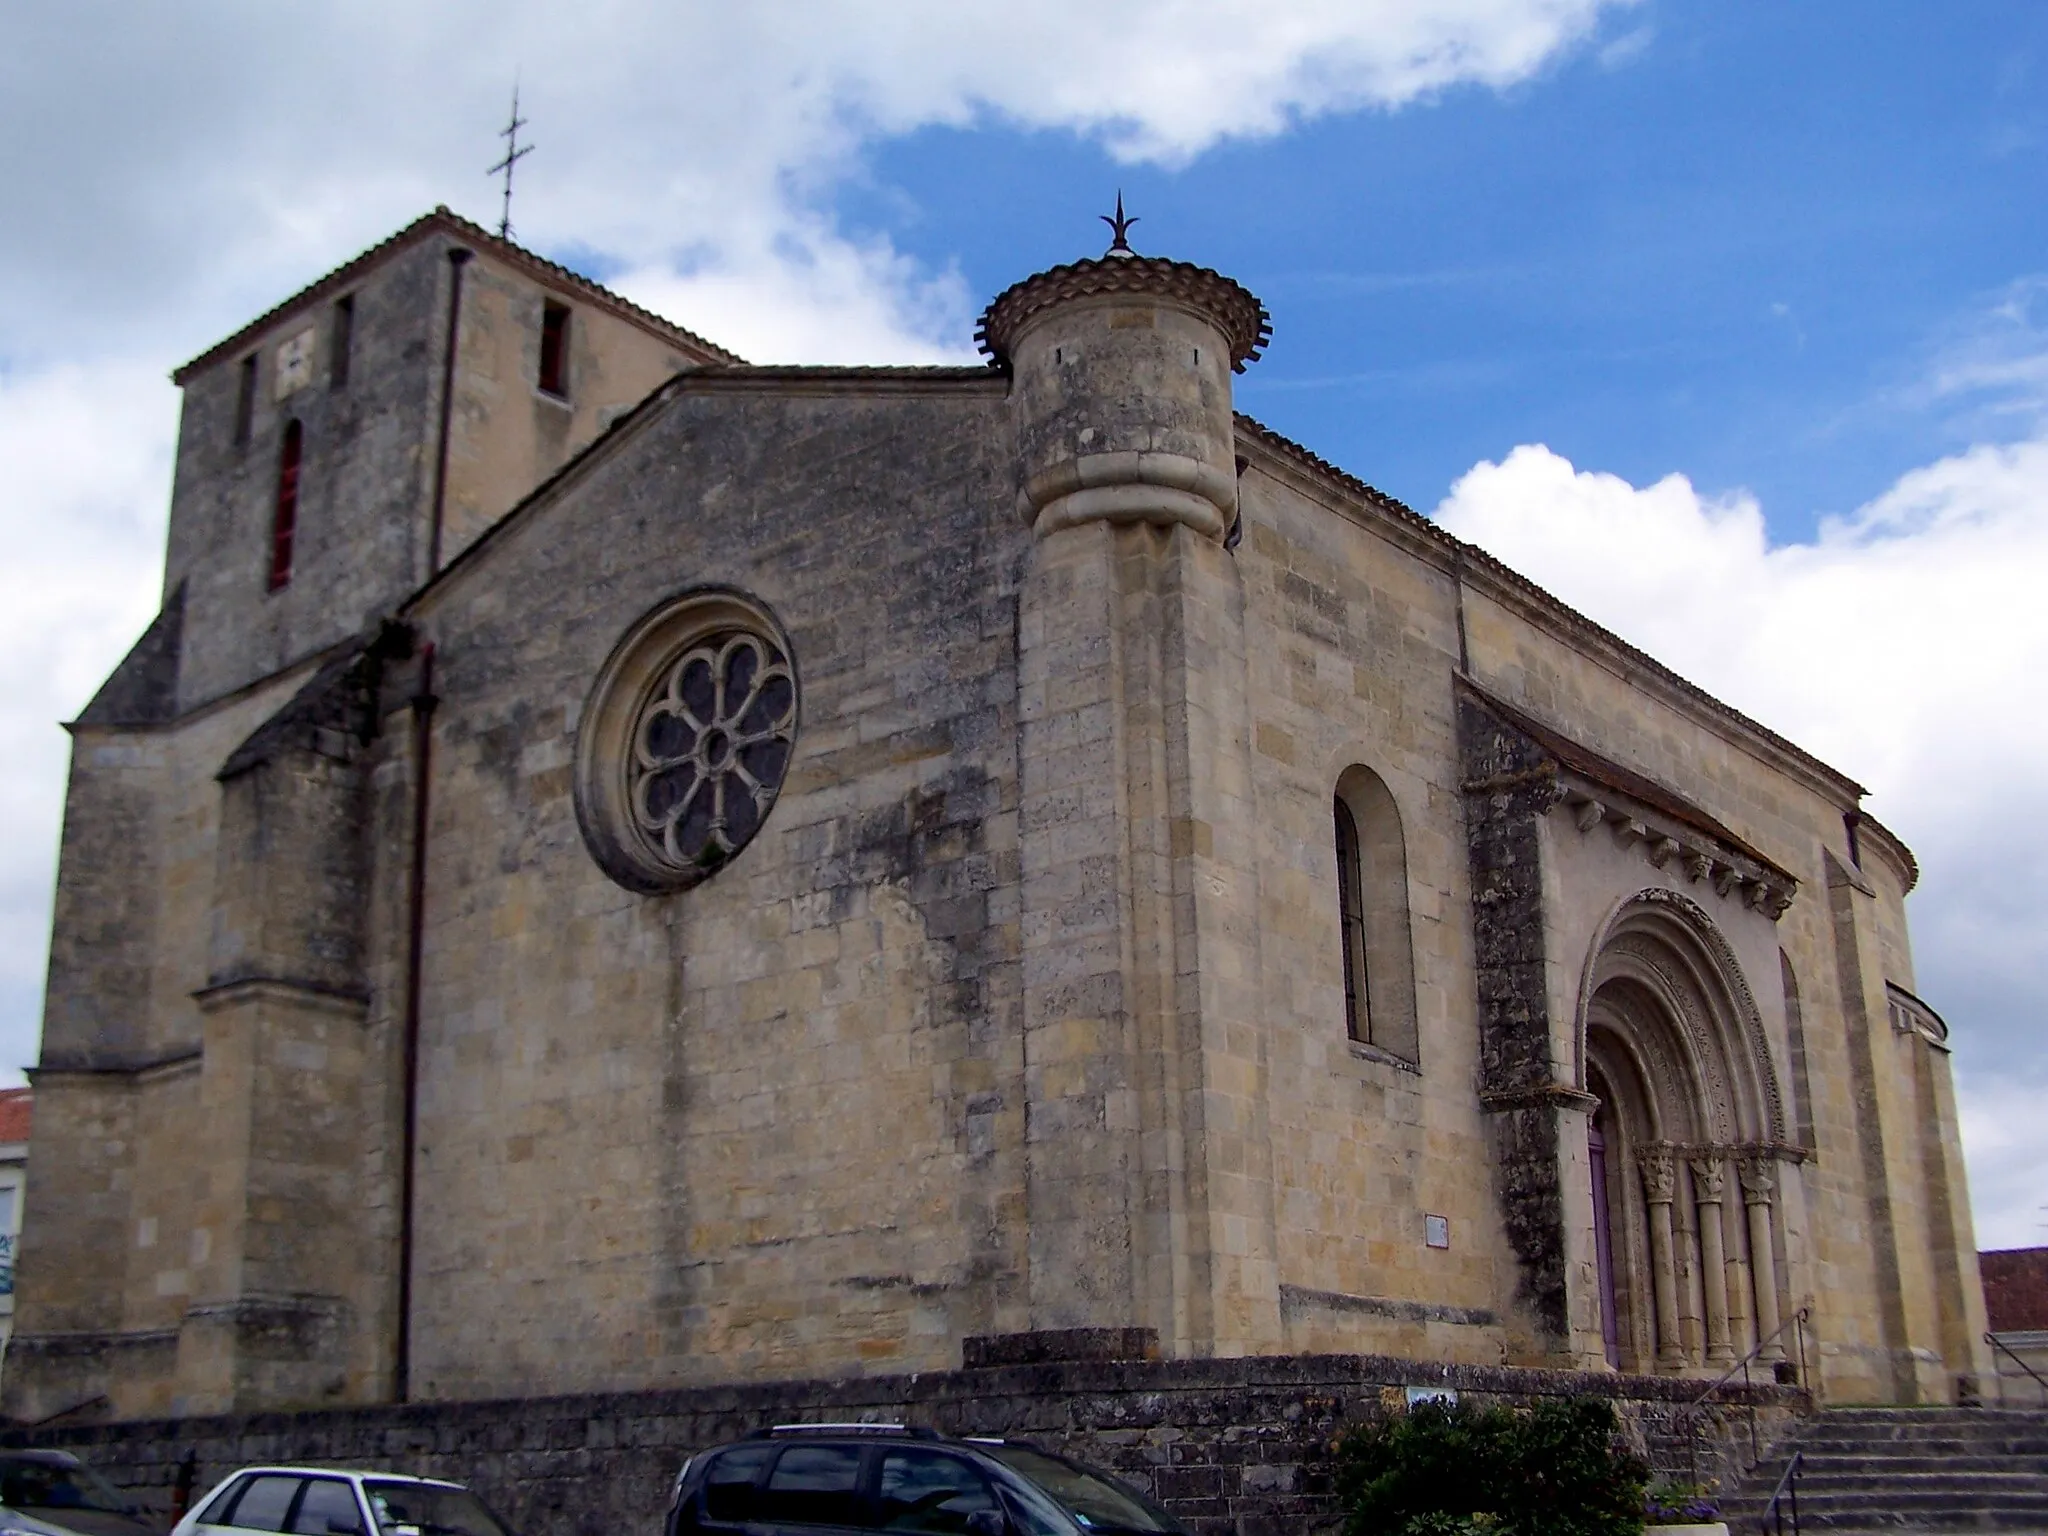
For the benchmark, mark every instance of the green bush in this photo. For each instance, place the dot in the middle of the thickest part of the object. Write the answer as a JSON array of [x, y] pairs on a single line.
[[1558, 1469]]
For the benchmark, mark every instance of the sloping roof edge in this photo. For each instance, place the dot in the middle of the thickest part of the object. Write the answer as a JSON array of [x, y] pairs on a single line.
[[1894, 846], [443, 221], [1577, 758], [744, 378], [1470, 559]]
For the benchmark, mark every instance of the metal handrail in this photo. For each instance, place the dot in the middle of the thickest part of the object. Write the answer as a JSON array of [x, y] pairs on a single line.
[[1691, 1412], [1772, 1521], [80, 1406], [1997, 1343]]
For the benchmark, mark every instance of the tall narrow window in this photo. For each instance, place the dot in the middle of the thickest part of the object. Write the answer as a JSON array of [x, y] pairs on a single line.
[[1795, 1032], [245, 401], [554, 348], [1372, 912], [340, 336], [285, 524], [1351, 922]]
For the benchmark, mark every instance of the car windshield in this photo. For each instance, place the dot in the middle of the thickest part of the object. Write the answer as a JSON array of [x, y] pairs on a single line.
[[1092, 1499], [430, 1510], [29, 1482]]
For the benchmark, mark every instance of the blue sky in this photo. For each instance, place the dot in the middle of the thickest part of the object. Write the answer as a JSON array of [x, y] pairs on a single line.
[[1725, 237], [1726, 320]]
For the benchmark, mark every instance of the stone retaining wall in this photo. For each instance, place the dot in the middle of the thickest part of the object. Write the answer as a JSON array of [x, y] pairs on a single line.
[[1237, 1447]]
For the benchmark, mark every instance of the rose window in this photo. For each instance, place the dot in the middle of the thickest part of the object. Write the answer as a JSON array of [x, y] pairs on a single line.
[[685, 739], [710, 749]]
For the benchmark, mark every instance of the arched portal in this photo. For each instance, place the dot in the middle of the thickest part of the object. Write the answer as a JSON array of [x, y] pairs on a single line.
[[1683, 1143]]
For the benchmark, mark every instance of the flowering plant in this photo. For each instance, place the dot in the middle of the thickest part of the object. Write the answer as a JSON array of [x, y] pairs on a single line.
[[1669, 1503]]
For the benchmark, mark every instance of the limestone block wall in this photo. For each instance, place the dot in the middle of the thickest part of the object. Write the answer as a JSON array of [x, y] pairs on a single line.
[[1353, 642], [1871, 1282], [105, 1272], [507, 433], [1350, 648], [371, 440], [771, 1123], [366, 473]]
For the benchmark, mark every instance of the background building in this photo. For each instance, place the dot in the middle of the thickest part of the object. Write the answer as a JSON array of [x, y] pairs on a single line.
[[16, 1114], [615, 867], [2016, 1304]]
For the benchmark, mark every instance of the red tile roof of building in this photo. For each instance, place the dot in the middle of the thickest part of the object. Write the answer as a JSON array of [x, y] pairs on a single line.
[[15, 1107], [2016, 1289]]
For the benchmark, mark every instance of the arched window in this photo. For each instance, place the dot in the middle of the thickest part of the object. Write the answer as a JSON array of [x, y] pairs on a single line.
[[284, 524], [1372, 915]]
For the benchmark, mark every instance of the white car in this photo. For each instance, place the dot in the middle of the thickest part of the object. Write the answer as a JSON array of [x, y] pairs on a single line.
[[52, 1493], [320, 1501]]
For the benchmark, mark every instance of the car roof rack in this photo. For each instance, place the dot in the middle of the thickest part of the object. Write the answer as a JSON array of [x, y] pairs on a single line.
[[914, 1431]]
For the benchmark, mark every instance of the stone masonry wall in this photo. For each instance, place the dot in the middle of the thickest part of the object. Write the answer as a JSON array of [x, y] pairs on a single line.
[[1233, 1447], [767, 1126]]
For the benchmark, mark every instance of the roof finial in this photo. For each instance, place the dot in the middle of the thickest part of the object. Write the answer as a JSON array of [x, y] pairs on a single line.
[[1119, 226], [514, 153]]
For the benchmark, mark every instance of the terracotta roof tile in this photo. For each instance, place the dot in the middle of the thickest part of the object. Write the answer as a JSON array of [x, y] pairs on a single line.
[[2016, 1289], [16, 1110]]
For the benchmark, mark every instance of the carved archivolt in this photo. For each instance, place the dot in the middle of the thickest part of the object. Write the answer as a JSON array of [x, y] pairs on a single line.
[[1667, 945]]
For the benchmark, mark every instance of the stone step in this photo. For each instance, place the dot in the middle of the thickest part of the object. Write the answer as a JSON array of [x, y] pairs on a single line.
[[1878, 1430], [1879, 1440], [1925, 1447], [1969, 1488], [1837, 1464], [1889, 1502], [1895, 1470], [1926, 1412], [1961, 1520]]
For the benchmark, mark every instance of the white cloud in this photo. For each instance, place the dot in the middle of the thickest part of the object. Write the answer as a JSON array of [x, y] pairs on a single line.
[[195, 158], [173, 170], [1906, 645], [87, 452], [2007, 1139]]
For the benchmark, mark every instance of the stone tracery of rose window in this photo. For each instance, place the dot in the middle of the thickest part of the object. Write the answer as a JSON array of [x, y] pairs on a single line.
[[710, 748]]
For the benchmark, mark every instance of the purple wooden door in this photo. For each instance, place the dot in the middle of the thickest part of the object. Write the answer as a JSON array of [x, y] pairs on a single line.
[[1603, 1243]]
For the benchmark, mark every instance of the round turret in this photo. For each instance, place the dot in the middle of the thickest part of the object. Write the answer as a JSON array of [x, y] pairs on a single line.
[[1122, 367]]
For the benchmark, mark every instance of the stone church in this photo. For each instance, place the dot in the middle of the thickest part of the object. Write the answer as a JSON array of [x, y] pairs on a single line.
[[615, 867]]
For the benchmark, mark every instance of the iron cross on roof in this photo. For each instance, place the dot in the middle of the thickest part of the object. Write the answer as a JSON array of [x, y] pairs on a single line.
[[1119, 227], [514, 153]]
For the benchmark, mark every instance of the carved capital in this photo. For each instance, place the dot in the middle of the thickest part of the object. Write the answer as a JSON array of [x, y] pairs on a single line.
[[1660, 1174], [1709, 1177], [1759, 1174]]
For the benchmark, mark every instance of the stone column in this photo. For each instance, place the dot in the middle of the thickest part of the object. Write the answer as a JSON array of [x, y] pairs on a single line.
[[1758, 1174], [1742, 1334], [1709, 1179], [1660, 1185]]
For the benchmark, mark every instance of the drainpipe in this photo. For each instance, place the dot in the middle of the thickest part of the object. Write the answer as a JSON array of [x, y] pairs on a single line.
[[458, 258], [423, 702]]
